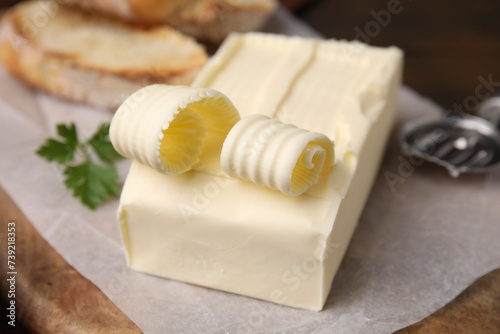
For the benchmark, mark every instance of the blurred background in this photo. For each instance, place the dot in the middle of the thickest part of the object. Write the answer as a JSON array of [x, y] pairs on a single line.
[[448, 44]]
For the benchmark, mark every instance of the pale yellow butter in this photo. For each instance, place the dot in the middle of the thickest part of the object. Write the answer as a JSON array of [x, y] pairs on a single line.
[[205, 228]]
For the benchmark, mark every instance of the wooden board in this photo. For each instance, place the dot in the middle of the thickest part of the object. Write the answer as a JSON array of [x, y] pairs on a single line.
[[50, 295], [476, 310]]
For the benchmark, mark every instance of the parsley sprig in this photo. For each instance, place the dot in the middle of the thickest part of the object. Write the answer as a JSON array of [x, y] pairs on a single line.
[[90, 181]]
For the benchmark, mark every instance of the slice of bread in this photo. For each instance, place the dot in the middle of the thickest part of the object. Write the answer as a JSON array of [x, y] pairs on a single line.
[[210, 20], [89, 58], [213, 20]]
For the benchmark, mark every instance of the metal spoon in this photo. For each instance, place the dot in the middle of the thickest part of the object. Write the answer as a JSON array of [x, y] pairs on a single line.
[[467, 144]]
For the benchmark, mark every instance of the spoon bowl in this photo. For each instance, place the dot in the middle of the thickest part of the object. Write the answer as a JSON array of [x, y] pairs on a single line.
[[461, 144]]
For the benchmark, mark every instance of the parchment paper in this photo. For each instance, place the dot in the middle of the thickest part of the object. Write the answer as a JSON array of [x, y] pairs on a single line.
[[418, 243]]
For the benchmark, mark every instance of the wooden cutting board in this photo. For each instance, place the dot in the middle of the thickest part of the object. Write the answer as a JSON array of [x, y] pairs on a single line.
[[476, 311], [52, 297]]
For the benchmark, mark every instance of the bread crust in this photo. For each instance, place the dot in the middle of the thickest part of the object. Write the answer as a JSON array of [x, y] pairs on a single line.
[[148, 12], [70, 76], [213, 20], [210, 20]]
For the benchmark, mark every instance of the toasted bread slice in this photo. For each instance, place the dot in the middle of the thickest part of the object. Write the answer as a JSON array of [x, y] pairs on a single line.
[[213, 20], [210, 20], [89, 58]]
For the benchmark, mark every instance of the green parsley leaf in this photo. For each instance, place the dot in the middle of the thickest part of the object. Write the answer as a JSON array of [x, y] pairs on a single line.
[[61, 151], [91, 183], [68, 133], [102, 145]]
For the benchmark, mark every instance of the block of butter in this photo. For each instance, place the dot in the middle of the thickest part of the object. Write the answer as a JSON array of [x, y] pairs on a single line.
[[206, 228]]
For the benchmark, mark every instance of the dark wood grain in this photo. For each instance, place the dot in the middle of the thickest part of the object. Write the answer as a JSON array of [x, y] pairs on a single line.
[[50, 295], [474, 311], [8, 3], [295, 5]]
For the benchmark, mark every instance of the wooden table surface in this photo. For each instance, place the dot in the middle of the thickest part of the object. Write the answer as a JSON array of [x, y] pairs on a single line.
[[449, 45]]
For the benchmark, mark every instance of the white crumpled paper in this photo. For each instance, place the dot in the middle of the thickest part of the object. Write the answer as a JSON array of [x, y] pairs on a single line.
[[418, 243]]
